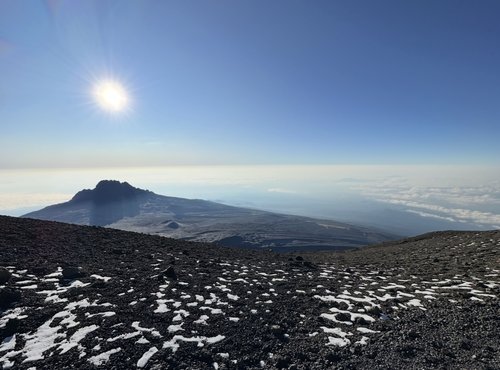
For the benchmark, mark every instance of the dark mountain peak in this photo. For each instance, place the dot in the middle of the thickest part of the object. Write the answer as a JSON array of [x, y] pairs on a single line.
[[109, 191], [111, 200], [113, 185]]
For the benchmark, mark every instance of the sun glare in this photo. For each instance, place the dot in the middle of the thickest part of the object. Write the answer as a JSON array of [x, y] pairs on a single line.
[[111, 96]]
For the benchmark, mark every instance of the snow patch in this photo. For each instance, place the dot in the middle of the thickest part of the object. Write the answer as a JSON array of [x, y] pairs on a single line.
[[146, 356]]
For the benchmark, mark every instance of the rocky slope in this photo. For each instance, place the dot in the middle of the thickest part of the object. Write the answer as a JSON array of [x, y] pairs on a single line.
[[122, 206], [89, 297]]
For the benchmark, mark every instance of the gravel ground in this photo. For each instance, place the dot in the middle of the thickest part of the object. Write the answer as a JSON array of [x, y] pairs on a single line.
[[88, 297]]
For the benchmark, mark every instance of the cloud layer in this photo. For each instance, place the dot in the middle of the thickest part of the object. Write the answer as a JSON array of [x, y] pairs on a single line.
[[478, 205]]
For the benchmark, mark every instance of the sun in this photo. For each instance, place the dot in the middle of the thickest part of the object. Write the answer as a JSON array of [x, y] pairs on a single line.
[[111, 96]]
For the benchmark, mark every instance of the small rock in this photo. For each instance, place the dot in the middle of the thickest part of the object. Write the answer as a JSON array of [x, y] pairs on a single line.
[[5, 275], [343, 306], [9, 296], [309, 264], [373, 310], [170, 273], [277, 330], [361, 321], [343, 316], [11, 327], [99, 284], [72, 272], [282, 362], [466, 344], [407, 350], [413, 334], [40, 270], [383, 316], [173, 225], [299, 258]]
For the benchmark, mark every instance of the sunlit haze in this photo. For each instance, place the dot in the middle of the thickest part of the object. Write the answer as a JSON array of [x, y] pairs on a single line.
[[374, 112], [110, 95]]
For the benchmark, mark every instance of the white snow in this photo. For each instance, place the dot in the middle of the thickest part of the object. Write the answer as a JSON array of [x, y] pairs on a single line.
[[414, 302], [8, 343], [366, 330], [214, 311], [173, 345], [124, 336], [175, 328], [58, 273], [76, 338], [103, 314], [146, 356], [202, 320], [215, 339], [14, 313], [162, 307], [45, 337], [103, 357], [24, 282], [34, 286], [363, 341], [340, 342], [99, 277], [336, 331], [154, 332]]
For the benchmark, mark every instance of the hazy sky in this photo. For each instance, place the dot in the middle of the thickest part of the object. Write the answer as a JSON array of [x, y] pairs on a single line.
[[250, 82], [405, 200]]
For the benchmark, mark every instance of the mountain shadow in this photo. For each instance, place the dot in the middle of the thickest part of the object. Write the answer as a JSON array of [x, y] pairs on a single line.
[[111, 201], [119, 205]]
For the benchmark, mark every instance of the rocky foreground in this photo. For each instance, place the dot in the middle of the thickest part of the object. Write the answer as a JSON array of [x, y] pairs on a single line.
[[88, 297]]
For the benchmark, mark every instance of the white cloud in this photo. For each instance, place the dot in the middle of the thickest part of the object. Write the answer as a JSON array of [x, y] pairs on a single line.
[[282, 190], [479, 205], [11, 201], [478, 217], [431, 215]]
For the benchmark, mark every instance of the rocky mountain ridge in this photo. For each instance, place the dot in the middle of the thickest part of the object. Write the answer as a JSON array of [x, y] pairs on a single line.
[[122, 206], [90, 297]]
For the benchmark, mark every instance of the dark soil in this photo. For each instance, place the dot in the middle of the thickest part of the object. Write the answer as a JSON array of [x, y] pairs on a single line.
[[430, 302]]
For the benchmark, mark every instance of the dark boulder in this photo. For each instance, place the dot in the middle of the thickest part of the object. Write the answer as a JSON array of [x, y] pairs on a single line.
[[72, 272], [5, 275], [173, 225], [169, 273], [343, 316], [10, 328], [8, 296]]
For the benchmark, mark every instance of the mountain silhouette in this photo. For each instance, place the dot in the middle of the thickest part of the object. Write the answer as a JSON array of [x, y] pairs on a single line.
[[121, 206]]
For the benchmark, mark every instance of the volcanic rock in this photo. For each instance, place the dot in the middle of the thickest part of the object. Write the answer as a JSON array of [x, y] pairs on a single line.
[[72, 272], [252, 307], [5, 275], [170, 273], [8, 296]]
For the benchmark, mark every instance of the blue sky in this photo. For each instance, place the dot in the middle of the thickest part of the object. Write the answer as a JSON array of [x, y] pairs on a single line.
[[250, 82]]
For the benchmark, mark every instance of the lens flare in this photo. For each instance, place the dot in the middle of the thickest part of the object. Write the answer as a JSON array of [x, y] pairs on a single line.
[[111, 96]]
